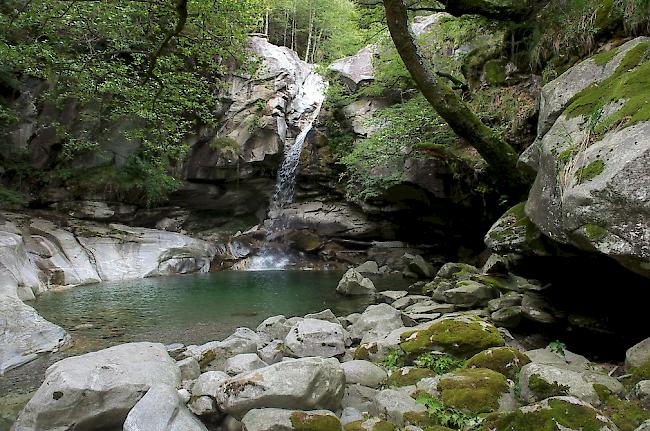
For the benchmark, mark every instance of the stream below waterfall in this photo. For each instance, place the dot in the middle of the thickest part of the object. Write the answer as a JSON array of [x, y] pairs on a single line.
[[189, 309]]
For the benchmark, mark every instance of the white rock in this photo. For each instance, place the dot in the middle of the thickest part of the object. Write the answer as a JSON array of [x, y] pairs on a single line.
[[392, 405], [242, 363], [312, 337], [189, 369], [364, 373], [376, 321], [209, 383], [353, 283]]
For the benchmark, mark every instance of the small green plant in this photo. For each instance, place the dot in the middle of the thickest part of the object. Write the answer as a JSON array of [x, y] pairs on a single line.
[[445, 416], [440, 363], [557, 347], [394, 359]]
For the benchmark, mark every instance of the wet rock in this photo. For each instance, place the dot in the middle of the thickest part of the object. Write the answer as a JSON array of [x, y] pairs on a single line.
[[312, 337], [353, 283], [307, 383], [107, 383], [364, 373], [161, 409]]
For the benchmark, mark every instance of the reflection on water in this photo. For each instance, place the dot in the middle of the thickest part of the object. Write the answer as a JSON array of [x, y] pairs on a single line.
[[189, 309]]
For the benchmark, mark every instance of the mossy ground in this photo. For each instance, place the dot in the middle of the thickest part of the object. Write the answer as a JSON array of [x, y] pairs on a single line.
[[305, 421], [591, 171], [458, 337], [409, 376], [473, 391], [627, 415], [560, 414], [505, 360], [379, 426], [638, 374]]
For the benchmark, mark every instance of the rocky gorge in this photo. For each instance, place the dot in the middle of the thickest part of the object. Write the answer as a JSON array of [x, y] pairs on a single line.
[[475, 309]]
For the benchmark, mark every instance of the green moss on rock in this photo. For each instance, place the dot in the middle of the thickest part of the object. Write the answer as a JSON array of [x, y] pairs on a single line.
[[495, 72], [305, 421], [378, 426], [638, 374], [594, 232], [505, 360], [627, 415], [551, 415], [543, 389], [473, 391], [605, 57], [630, 83], [591, 171], [409, 376], [461, 337]]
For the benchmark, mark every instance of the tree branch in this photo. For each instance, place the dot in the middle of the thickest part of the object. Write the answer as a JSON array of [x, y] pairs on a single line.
[[181, 12]]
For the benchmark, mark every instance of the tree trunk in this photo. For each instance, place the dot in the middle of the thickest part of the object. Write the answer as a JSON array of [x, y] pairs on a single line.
[[499, 155], [311, 34]]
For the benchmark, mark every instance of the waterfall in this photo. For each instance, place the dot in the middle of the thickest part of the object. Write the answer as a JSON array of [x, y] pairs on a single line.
[[305, 109]]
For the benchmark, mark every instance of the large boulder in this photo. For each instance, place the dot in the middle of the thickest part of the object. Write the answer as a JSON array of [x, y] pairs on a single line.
[[396, 407], [592, 162], [307, 383], [313, 337], [375, 322], [161, 409], [97, 389], [354, 283], [364, 373], [24, 334], [638, 355]]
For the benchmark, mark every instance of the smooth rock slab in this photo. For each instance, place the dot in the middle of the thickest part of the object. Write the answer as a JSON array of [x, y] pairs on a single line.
[[24, 334], [312, 337], [97, 389], [161, 409], [305, 384], [290, 420], [242, 363]]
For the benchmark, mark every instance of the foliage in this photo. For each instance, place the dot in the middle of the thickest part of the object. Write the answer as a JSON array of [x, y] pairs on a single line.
[[627, 415], [123, 62], [557, 347], [445, 416], [440, 363], [11, 198], [394, 359]]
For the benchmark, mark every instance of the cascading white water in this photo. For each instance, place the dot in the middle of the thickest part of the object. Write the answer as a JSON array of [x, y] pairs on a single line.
[[307, 106]]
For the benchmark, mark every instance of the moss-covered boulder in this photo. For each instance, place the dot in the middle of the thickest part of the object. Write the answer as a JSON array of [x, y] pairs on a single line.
[[626, 414], [539, 381], [552, 414], [591, 157], [408, 376], [270, 419], [513, 232], [461, 336], [505, 360], [474, 391]]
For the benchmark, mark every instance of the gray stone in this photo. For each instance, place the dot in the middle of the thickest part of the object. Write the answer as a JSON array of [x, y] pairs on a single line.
[[272, 353], [307, 383], [312, 337], [417, 265], [356, 68], [364, 373], [231, 424], [203, 406], [645, 426], [564, 380], [368, 267], [276, 327], [161, 409], [272, 419], [24, 334], [375, 322], [242, 363], [359, 397], [327, 315], [535, 308], [393, 405], [107, 383], [390, 296], [638, 354], [507, 317], [350, 414], [641, 392], [469, 293], [209, 384], [409, 300], [189, 369], [508, 300], [353, 283]]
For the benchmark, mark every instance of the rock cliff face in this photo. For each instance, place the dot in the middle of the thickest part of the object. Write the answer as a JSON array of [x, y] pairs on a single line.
[[592, 157]]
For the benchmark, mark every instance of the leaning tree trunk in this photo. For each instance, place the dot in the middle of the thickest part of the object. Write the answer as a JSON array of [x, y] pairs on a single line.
[[499, 155]]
